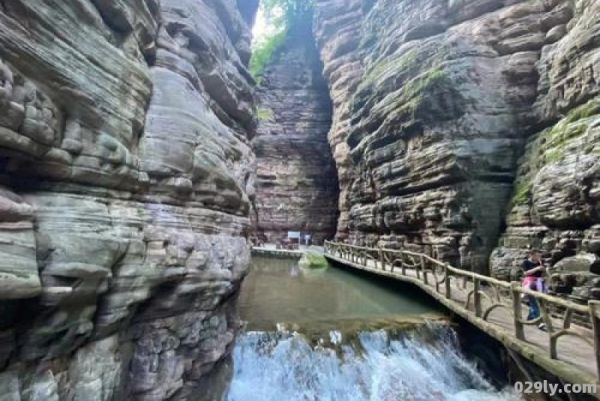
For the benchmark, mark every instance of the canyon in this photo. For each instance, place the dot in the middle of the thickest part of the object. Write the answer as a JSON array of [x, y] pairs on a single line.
[[296, 187], [139, 155]]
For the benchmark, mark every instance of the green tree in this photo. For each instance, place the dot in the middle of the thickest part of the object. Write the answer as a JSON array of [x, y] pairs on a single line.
[[287, 12], [281, 15]]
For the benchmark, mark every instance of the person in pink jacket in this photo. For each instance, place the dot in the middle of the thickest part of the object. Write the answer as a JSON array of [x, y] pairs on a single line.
[[534, 269]]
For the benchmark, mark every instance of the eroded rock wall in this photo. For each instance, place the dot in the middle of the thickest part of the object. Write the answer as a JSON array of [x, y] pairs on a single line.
[[126, 185], [555, 203], [434, 104], [296, 187]]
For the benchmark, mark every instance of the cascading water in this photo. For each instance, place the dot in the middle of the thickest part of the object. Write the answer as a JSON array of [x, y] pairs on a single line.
[[387, 343], [424, 365]]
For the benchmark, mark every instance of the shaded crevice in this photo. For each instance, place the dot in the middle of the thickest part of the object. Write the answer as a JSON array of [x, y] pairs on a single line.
[[297, 186]]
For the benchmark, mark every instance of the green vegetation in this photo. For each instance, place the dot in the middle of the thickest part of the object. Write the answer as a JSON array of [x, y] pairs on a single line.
[[522, 193], [414, 92], [550, 146], [281, 15], [263, 54], [264, 114], [395, 65], [313, 260], [425, 81], [569, 128], [413, 97], [584, 111], [287, 12], [559, 137]]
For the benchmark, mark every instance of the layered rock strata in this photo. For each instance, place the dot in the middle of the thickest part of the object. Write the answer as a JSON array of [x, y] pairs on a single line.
[[296, 187], [126, 185], [434, 104], [555, 203]]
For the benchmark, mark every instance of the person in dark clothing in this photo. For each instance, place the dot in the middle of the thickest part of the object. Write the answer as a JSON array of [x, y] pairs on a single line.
[[534, 269]]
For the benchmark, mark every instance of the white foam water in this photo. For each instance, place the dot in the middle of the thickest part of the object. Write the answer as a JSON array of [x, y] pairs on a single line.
[[285, 367]]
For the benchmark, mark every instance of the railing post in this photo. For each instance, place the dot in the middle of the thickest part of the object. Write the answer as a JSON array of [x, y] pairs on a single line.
[[402, 265], [477, 296], [549, 328], [548, 321], [381, 259], [517, 311], [419, 267], [595, 315], [447, 281]]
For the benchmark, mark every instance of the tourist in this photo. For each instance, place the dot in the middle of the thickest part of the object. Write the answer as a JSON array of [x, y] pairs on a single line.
[[534, 269]]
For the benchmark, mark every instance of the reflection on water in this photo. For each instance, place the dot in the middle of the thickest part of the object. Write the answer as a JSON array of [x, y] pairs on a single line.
[[277, 290]]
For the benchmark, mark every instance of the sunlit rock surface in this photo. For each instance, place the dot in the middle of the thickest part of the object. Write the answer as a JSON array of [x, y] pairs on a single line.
[[435, 103], [125, 195], [296, 188]]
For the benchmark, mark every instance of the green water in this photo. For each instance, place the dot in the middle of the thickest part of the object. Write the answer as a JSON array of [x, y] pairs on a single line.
[[278, 291], [346, 337]]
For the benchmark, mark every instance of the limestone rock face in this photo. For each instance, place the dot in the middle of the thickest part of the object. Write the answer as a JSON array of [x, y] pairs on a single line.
[[555, 202], [126, 185], [296, 188], [428, 120], [434, 104]]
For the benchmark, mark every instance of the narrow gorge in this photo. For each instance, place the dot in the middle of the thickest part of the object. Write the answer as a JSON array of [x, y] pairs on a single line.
[[296, 188], [141, 156]]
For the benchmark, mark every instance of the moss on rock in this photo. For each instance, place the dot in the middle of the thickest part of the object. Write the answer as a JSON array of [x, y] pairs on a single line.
[[589, 109], [522, 193], [394, 65], [264, 114], [552, 146], [573, 126]]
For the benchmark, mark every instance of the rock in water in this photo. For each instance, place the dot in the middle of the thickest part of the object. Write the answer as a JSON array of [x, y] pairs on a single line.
[[313, 260]]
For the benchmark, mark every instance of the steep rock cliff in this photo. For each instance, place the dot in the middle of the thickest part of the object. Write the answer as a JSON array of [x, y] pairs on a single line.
[[296, 187], [434, 102], [555, 204], [126, 188]]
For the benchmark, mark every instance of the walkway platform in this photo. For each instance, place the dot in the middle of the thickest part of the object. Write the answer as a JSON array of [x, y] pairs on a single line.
[[568, 350]]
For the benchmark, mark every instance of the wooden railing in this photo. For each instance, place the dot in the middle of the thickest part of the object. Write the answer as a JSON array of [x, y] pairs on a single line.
[[481, 295]]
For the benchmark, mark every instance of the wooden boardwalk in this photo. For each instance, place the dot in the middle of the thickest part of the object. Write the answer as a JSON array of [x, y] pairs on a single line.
[[567, 349]]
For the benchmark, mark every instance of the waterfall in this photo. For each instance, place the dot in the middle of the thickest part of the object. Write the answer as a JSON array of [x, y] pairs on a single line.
[[418, 365]]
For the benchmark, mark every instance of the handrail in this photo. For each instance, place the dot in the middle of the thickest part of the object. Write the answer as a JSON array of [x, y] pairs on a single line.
[[484, 294]]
